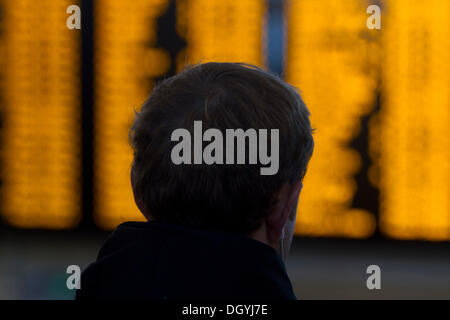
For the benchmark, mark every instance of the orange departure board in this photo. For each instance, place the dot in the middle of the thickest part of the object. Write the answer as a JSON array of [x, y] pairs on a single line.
[[413, 134], [339, 65], [40, 106], [329, 49], [126, 60], [129, 55], [222, 30]]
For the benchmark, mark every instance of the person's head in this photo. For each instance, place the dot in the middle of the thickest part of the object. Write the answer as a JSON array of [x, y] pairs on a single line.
[[225, 195]]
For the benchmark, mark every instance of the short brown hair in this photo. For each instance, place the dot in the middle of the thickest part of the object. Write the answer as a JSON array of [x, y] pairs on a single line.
[[223, 96]]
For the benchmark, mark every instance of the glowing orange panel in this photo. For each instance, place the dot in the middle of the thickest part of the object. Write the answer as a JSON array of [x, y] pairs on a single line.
[[222, 30], [413, 134], [40, 105], [329, 49], [126, 60]]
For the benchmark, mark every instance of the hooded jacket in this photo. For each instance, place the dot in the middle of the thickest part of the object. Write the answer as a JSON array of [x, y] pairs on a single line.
[[157, 261]]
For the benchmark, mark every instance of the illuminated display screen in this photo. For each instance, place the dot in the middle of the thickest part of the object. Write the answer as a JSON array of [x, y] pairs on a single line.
[[130, 55], [412, 136], [397, 77], [126, 60], [222, 30], [327, 50], [40, 105]]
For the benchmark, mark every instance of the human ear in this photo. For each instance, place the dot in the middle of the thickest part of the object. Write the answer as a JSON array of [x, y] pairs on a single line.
[[285, 200]]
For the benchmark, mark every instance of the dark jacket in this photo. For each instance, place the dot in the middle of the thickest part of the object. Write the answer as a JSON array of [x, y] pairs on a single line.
[[149, 260]]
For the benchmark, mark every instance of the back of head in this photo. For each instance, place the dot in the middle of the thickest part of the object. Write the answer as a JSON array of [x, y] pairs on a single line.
[[229, 197]]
